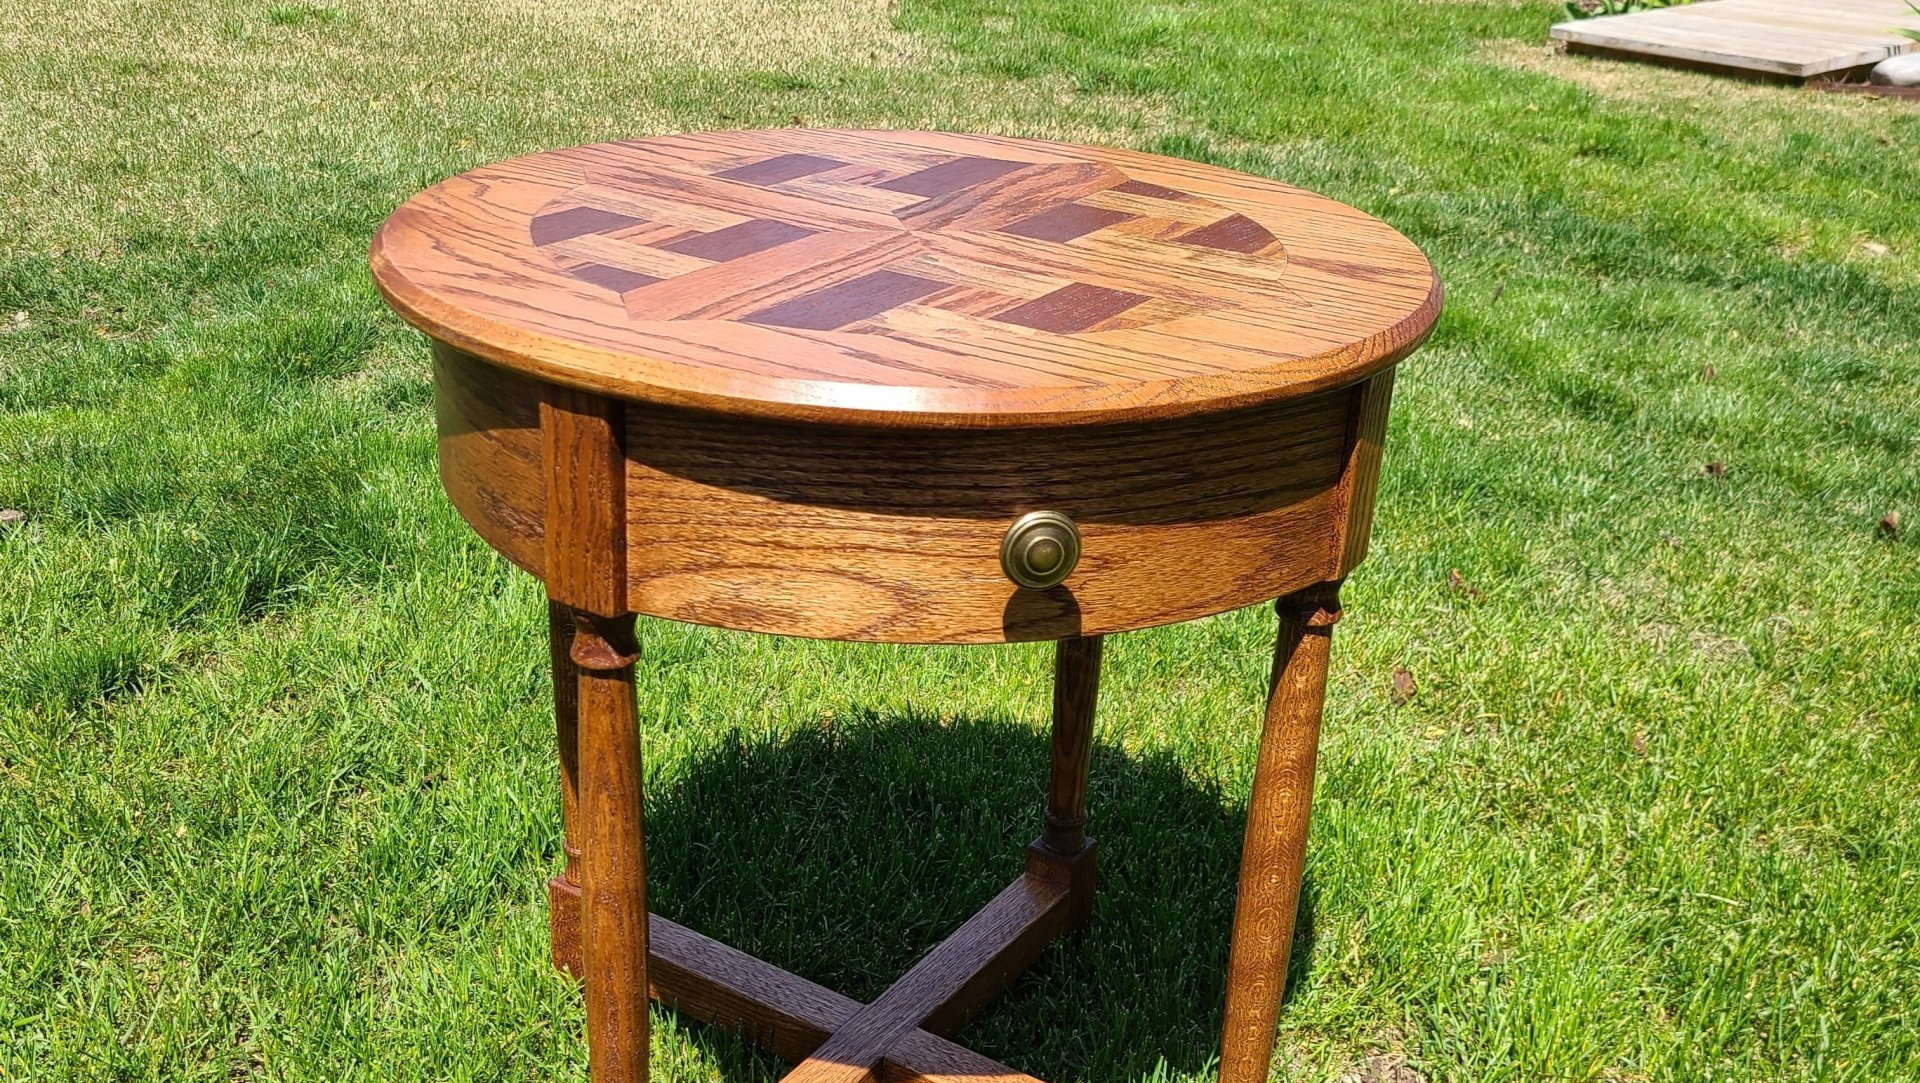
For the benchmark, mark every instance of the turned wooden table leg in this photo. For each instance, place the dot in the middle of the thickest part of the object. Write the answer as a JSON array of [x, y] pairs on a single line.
[[613, 883], [563, 891], [1063, 852], [1274, 853], [583, 437]]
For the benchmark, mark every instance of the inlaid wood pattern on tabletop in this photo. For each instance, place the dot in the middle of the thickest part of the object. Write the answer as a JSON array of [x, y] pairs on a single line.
[[905, 277]]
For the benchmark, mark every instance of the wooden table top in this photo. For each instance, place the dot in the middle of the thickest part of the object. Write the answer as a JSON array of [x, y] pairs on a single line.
[[905, 278]]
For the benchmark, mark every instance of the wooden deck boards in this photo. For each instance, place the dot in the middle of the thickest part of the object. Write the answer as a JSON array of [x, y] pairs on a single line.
[[1774, 39]]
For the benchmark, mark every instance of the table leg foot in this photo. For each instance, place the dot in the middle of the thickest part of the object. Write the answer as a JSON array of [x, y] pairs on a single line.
[[1073, 872], [1274, 854]]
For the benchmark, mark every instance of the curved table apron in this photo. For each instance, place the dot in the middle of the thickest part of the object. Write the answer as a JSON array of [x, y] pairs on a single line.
[[894, 534], [905, 387]]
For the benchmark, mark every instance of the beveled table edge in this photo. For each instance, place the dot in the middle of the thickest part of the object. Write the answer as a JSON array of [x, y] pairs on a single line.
[[847, 403]]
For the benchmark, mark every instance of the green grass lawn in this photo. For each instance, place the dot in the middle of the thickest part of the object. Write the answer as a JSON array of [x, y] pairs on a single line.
[[277, 790]]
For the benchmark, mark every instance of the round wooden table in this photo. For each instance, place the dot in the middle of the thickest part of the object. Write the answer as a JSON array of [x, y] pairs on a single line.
[[905, 387]]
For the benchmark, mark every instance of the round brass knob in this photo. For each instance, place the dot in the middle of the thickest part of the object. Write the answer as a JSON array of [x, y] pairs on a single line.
[[1040, 549]]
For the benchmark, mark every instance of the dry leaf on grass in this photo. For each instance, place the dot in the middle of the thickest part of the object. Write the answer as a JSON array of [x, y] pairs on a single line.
[[1890, 525], [1458, 582], [1403, 686], [1385, 1068]]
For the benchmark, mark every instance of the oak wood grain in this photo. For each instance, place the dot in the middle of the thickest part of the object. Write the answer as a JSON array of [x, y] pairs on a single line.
[[563, 891], [997, 946], [788, 1014], [716, 983], [917, 278], [947, 985], [853, 533], [1063, 853], [492, 459], [584, 555], [924, 1058], [613, 858], [1273, 856], [1076, 690], [584, 563], [893, 535], [803, 382], [1366, 444]]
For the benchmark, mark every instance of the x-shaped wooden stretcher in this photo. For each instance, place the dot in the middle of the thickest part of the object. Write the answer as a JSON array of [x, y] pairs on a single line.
[[902, 1037]]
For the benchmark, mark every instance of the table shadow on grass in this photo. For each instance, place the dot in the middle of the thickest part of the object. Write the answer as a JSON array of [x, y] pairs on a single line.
[[845, 851]]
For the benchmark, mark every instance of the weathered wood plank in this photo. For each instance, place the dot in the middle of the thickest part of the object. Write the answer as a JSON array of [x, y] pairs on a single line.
[[1779, 39]]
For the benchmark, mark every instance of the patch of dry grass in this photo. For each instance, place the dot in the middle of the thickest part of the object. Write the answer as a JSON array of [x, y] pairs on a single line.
[[115, 123], [1626, 80]]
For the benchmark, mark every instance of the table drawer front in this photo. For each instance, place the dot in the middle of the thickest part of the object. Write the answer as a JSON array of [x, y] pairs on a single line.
[[895, 535], [892, 535]]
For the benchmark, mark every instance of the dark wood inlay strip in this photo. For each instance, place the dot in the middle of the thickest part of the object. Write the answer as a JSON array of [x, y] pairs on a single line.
[[1072, 308], [1065, 222], [951, 176], [847, 302], [1235, 234], [617, 279], [1152, 191], [786, 167], [754, 235], [576, 221]]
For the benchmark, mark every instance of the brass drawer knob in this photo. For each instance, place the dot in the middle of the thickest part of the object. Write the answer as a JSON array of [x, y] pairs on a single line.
[[1040, 549]]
